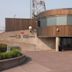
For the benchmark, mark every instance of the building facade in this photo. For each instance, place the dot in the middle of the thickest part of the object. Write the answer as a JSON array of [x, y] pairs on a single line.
[[57, 26], [54, 27]]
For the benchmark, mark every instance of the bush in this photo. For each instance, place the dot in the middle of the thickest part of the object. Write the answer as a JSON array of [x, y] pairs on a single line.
[[15, 47], [14, 52], [3, 47], [10, 54]]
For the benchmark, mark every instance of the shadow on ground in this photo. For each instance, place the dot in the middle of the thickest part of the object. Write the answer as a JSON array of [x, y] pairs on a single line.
[[27, 60]]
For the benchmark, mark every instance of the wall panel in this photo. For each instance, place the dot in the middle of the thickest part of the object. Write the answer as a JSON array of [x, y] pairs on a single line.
[[13, 24], [56, 31]]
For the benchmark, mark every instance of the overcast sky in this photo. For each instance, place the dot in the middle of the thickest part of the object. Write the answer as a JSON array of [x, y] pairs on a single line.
[[21, 8]]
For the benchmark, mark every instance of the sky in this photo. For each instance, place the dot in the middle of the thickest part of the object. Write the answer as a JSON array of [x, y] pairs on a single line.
[[21, 8]]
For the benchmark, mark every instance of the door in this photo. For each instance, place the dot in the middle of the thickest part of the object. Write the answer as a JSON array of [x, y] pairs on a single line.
[[66, 43]]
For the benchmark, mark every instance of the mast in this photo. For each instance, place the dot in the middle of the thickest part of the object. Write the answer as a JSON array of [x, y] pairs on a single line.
[[38, 6]]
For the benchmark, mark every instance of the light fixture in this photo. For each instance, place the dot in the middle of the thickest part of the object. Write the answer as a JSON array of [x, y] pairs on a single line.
[[30, 28], [57, 29]]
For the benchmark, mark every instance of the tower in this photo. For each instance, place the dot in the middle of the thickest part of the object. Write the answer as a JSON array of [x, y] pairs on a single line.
[[37, 7]]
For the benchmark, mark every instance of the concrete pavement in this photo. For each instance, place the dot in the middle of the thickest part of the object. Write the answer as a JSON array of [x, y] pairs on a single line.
[[46, 61]]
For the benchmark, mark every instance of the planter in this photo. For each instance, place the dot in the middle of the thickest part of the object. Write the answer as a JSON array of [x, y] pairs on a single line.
[[12, 62]]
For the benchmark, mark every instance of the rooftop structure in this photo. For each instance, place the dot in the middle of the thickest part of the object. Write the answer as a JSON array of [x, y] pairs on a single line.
[[38, 6]]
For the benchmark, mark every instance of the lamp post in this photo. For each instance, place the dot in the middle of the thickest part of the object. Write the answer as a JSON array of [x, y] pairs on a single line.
[[30, 28]]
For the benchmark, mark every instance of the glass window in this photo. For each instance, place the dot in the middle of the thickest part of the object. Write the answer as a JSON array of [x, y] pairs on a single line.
[[51, 21], [43, 22], [66, 42], [61, 20], [55, 20], [69, 20], [38, 23]]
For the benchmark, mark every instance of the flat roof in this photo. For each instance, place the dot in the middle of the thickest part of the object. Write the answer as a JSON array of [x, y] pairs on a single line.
[[54, 12]]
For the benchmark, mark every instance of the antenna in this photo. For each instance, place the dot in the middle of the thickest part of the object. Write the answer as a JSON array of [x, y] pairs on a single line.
[[37, 7]]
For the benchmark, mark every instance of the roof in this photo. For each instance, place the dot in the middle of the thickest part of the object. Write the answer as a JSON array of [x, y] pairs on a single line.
[[54, 12]]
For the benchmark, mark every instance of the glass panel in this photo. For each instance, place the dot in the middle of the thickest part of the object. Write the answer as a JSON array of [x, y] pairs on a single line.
[[51, 21], [69, 20], [61, 20], [39, 24], [66, 43], [54, 20], [43, 22]]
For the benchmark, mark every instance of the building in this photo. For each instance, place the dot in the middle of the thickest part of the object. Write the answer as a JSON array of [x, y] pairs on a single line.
[[54, 27], [14, 24]]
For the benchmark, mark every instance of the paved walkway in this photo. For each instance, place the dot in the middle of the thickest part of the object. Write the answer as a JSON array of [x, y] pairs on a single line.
[[46, 61], [30, 67]]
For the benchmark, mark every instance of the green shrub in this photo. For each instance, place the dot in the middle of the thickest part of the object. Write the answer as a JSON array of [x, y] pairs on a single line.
[[10, 54], [16, 53], [3, 47], [15, 47]]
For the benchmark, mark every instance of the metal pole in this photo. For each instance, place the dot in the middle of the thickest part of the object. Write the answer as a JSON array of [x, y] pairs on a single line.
[[14, 22], [30, 8]]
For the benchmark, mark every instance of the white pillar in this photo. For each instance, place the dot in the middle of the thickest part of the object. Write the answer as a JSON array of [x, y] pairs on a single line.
[[57, 44], [21, 35], [8, 48]]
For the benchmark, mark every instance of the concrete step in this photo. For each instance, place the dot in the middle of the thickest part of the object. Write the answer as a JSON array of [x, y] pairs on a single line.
[[30, 42]]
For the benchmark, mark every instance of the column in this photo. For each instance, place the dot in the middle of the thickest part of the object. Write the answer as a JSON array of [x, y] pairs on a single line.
[[57, 43]]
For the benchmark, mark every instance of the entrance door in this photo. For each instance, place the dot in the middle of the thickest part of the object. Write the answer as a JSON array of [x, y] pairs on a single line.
[[66, 43]]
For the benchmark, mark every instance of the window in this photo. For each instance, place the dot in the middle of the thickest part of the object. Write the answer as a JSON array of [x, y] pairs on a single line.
[[69, 20], [38, 23], [61, 20], [56, 20], [66, 43], [43, 22], [51, 21]]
